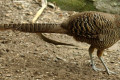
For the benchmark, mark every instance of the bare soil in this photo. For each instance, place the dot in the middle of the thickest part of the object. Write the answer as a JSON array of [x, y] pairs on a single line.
[[25, 56]]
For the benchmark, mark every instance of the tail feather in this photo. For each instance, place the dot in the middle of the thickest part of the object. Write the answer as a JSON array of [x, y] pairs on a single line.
[[34, 28]]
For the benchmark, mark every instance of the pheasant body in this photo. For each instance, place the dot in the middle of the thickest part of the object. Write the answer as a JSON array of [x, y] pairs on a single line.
[[96, 28], [100, 30]]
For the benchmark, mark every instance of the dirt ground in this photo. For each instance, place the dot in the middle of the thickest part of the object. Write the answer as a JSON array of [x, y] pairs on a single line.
[[25, 56]]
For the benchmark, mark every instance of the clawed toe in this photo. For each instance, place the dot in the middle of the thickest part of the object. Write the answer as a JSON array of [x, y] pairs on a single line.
[[96, 69], [110, 72]]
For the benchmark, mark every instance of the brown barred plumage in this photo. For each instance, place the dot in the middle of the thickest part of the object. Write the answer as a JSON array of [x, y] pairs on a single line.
[[34, 28], [100, 30]]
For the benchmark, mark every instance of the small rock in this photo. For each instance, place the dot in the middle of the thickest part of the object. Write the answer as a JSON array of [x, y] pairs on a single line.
[[7, 15], [8, 75], [105, 53], [29, 13]]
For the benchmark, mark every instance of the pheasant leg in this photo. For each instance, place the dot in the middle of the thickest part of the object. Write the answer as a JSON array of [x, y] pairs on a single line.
[[99, 54], [91, 49], [108, 71]]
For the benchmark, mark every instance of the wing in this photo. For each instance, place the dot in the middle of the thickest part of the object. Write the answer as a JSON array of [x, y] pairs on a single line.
[[91, 25]]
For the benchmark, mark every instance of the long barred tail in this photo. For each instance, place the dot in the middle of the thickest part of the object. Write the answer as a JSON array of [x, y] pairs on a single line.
[[34, 28]]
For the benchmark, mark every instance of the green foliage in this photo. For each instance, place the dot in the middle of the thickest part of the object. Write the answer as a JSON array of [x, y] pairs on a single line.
[[89, 6], [74, 5]]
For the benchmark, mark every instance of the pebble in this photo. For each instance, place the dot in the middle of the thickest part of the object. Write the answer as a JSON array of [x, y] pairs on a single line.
[[7, 15], [105, 53], [8, 75], [29, 13]]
